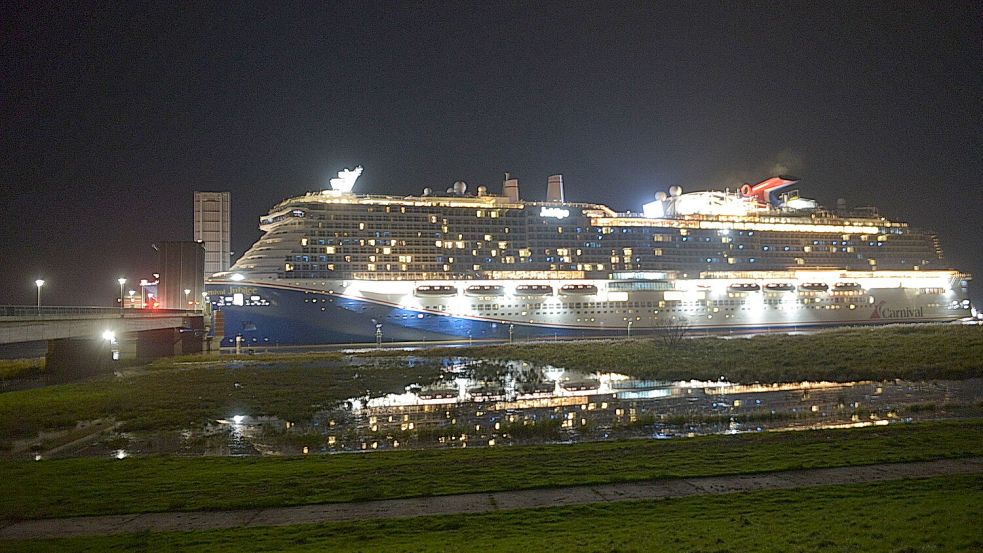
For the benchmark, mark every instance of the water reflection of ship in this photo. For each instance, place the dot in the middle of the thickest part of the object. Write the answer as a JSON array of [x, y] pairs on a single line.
[[535, 388], [631, 384], [486, 393], [437, 393], [511, 383], [580, 385], [616, 408]]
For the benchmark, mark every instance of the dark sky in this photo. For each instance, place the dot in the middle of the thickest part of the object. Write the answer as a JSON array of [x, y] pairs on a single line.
[[112, 115]]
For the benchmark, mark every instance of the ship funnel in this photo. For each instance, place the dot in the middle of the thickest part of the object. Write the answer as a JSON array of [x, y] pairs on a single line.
[[764, 192], [510, 188], [554, 188]]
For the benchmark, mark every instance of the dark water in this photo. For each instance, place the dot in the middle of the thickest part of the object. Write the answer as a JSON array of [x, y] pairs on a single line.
[[24, 350], [494, 404], [485, 403]]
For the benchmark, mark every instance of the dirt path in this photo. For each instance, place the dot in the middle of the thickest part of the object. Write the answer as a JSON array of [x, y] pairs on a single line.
[[481, 502]]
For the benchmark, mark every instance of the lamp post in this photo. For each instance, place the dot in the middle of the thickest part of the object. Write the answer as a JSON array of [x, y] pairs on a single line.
[[39, 283], [629, 328], [121, 282], [187, 301], [131, 293], [143, 293]]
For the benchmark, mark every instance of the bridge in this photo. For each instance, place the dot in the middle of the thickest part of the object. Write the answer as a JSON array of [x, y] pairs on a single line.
[[98, 336]]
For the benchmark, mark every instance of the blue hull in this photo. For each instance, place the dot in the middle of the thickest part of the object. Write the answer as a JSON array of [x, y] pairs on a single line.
[[289, 319], [293, 316]]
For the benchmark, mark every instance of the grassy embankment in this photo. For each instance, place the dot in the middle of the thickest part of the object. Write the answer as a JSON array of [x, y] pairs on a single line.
[[911, 352], [184, 393], [937, 514], [66, 487], [177, 394], [21, 368]]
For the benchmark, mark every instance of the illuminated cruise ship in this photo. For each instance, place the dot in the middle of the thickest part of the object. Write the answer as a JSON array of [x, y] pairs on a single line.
[[338, 267]]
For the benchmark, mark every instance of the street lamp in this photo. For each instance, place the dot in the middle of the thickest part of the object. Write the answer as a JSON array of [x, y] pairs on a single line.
[[629, 328], [187, 292], [121, 282], [143, 293], [131, 293], [39, 284]]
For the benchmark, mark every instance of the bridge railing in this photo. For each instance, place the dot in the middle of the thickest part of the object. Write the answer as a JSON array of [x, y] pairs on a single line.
[[33, 311]]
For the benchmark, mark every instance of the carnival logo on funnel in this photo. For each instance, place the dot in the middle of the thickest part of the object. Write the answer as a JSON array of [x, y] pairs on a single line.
[[881, 311]]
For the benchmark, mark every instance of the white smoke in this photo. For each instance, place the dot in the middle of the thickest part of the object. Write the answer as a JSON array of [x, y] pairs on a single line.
[[785, 162]]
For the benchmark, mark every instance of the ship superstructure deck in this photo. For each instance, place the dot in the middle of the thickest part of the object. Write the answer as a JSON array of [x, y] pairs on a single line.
[[337, 267]]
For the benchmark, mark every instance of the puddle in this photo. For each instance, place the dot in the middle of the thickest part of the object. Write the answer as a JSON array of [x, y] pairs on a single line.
[[496, 403]]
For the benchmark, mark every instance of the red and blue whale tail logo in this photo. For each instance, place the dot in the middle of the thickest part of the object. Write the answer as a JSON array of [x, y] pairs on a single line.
[[765, 190]]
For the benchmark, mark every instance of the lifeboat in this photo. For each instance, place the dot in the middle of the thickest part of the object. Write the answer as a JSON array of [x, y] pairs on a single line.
[[438, 290], [578, 290], [847, 286], [779, 287], [484, 290], [533, 290], [744, 287], [814, 286]]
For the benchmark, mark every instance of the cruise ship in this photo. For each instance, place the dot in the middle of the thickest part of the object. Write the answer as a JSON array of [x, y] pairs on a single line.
[[334, 266]]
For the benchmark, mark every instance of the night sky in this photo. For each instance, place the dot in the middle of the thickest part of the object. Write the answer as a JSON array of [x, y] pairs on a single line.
[[112, 115]]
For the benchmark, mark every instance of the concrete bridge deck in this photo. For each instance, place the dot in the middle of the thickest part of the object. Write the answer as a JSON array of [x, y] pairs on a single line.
[[90, 339], [28, 323]]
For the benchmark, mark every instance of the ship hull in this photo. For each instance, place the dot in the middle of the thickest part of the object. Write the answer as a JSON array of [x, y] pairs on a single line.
[[326, 312]]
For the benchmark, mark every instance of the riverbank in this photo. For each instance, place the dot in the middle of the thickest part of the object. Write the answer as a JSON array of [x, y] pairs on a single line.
[[93, 486]]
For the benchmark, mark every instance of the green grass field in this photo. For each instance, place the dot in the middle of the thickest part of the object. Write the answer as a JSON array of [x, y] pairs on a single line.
[[21, 368], [185, 393], [911, 352], [172, 395], [66, 487], [905, 516], [940, 514]]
